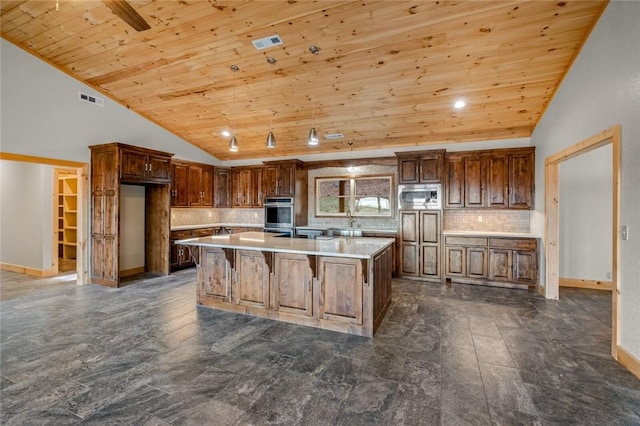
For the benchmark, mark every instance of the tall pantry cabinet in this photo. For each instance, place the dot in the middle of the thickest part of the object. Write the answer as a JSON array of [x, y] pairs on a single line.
[[114, 164]]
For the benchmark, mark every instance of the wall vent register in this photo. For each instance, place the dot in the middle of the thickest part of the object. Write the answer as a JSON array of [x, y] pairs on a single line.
[[91, 99]]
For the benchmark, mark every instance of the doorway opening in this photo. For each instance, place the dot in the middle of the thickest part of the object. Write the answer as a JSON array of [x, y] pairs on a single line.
[[66, 213], [552, 218]]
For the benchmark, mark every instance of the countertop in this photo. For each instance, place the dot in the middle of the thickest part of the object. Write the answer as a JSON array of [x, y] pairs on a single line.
[[491, 234], [325, 227], [358, 248], [217, 225]]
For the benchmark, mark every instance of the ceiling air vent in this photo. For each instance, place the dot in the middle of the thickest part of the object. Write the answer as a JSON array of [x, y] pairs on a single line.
[[267, 42], [91, 99], [334, 136]]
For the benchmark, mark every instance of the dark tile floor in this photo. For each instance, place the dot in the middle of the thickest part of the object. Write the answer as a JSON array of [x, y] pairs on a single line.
[[450, 355]]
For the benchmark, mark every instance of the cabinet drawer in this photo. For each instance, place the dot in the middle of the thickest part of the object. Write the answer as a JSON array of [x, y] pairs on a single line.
[[204, 232], [466, 241], [180, 235], [514, 243]]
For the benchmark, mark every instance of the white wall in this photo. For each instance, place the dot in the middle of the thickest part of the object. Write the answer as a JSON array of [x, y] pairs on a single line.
[[26, 214], [132, 213], [603, 89], [586, 215], [42, 115]]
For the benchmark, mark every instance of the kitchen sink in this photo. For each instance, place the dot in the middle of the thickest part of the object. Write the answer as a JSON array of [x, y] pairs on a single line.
[[343, 232]]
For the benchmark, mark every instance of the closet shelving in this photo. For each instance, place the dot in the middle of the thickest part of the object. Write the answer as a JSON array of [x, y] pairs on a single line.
[[67, 216]]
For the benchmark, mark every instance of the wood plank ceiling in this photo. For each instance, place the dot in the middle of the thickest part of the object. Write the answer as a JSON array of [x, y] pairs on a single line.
[[386, 75]]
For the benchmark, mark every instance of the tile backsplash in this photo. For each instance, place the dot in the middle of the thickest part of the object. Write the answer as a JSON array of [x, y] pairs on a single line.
[[486, 220], [189, 216]]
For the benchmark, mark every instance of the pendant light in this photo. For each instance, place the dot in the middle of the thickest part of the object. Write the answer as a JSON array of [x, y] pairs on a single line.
[[233, 143], [271, 140], [313, 135]]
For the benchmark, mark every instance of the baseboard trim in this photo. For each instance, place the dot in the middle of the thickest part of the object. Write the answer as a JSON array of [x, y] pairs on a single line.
[[629, 361], [590, 284], [28, 271], [132, 271]]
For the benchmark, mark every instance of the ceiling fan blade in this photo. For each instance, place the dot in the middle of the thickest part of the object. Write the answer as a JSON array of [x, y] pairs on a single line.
[[127, 13]]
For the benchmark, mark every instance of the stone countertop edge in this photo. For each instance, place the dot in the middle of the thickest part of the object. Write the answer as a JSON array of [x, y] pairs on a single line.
[[325, 227], [491, 234], [216, 225], [357, 248]]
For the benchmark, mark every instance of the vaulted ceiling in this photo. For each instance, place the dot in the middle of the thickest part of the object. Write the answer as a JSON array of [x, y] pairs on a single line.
[[387, 73]]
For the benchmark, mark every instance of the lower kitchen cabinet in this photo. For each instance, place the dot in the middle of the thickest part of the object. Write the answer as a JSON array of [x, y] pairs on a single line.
[[420, 245], [214, 276], [180, 256], [507, 262], [288, 294], [251, 286], [340, 289]]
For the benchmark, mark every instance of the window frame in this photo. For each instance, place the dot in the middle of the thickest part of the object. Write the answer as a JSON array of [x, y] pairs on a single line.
[[351, 198]]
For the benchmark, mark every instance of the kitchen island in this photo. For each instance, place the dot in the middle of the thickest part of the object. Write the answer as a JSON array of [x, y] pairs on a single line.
[[341, 284]]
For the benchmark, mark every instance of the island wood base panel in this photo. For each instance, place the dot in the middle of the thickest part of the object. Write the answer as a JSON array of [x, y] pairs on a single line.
[[334, 293]]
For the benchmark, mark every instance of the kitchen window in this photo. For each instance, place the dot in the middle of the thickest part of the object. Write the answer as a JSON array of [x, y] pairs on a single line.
[[362, 196]]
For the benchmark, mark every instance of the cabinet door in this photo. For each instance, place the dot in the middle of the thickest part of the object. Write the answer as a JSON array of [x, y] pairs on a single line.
[[497, 180], [500, 265], [525, 267], [293, 290], [287, 176], [408, 170], [409, 225], [429, 227], [134, 165], [430, 261], [409, 259], [271, 183], [521, 180], [256, 188], [241, 183], [455, 261], [221, 183], [179, 185], [251, 287], [341, 282], [431, 168], [454, 181], [207, 186], [477, 262], [195, 185], [473, 185], [213, 276], [159, 168]]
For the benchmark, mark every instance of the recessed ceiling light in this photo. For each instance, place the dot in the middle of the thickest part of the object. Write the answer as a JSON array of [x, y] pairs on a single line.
[[459, 104], [226, 133]]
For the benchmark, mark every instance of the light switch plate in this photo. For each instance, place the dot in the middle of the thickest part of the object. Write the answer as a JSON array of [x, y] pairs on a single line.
[[624, 232]]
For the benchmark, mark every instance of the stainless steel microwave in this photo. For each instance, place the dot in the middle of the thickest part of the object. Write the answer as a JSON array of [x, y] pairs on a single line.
[[420, 196]]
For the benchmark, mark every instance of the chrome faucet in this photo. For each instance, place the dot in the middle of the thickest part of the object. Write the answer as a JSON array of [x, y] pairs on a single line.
[[350, 217]]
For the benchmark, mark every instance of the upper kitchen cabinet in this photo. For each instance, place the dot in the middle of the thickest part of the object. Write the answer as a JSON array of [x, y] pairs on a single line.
[[191, 184], [496, 179], [420, 167], [141, 165], [247, 187], [284, 178], [221, 186]]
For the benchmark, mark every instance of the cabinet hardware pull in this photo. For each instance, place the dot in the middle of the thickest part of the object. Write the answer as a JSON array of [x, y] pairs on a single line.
[[149, 166]]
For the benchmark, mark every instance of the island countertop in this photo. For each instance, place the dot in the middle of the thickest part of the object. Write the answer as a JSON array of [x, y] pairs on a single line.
[[357, 248]]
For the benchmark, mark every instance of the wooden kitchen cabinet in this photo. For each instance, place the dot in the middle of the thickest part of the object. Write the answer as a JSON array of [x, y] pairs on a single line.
[[341, 282], [420, 245], [506, 262], [247, 187], [181, 257], [214, 276], [289, 296], [191, 184], [251, 284], [502, 178], [222, 185], [114, 164], [281, 178], [420, 167], [144, 165]]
